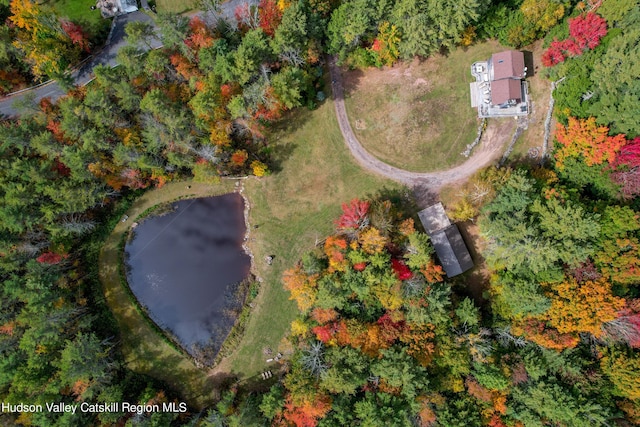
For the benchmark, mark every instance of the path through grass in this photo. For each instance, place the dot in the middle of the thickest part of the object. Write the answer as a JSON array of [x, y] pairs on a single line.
[[293, 208], [417, 116]]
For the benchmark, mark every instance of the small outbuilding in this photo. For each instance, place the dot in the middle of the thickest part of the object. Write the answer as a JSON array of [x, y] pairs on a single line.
[[446, 239]]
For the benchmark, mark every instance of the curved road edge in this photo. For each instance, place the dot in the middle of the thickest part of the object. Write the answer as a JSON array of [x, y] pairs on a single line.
[[429, 180]]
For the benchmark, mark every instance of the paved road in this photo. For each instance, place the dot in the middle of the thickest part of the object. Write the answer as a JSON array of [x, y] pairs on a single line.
[[483, 155], [107, 56], [83, 75]]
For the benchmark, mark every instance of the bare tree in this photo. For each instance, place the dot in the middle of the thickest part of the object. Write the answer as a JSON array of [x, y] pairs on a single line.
[[505, 338], [77, 224], [313, 359], [293, 57], [248, 15], [208, 152]]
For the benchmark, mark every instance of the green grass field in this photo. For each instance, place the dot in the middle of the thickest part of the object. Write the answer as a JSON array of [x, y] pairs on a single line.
[[79, 11], [176, 6], [291, 208], [418, 115]]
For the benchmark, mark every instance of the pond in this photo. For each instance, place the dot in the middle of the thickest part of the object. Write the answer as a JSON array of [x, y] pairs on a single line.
[[185, 267]]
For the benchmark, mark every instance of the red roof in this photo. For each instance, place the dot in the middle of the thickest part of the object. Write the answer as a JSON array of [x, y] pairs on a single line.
[[504, 90], [507, 64]]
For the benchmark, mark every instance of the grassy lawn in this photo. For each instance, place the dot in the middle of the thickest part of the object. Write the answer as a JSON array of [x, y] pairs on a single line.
[[292, 208], [79, 11], [175, 6], [144, 351], [539, 88], [417, 115]]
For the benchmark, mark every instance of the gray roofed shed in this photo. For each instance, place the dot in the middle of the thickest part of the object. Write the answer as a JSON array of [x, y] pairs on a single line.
[[446, 239], [434, 218], [452, 251]]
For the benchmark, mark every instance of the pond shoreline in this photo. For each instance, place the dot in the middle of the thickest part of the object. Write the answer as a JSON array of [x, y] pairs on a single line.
[[148, 350], [192, 281]]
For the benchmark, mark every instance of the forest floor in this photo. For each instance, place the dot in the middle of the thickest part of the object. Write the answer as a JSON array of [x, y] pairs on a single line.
[[416, 115]]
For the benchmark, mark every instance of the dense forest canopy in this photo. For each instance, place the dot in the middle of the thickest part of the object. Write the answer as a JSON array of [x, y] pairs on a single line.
[[382, 337]]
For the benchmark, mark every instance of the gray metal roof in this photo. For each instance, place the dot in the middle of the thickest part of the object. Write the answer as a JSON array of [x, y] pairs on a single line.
[[434, 218], [446, 239], [452, 251]]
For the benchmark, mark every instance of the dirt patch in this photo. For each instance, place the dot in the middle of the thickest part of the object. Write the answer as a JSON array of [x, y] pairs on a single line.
[[540, 90], [477, 280]]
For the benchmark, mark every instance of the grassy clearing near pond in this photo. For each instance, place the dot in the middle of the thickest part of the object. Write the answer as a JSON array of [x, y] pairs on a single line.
[[292, 208], [418, 115], [144, 350]]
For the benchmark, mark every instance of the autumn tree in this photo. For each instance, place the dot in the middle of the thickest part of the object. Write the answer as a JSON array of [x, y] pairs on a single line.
[[577, 308], [270, 16], [303, 288], [623, 369], [584, 137], [585, 33], [48, 48], [76, 34], [386, 44]]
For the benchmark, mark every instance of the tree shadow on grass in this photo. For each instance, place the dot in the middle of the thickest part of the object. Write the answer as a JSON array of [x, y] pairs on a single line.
[[401, 198], [278, 154], [348, 82], [424, 194]]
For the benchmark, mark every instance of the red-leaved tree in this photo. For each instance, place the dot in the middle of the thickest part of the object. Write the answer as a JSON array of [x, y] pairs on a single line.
[[50, 258], [270, 16], [629, 182], [401, 270], [629, 154], [76, 34], [585, 31], [354, 215]]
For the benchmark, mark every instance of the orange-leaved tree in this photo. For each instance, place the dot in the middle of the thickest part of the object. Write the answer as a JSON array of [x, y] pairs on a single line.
[[582, 307], [307, 412], [584, 137], [303, 287]]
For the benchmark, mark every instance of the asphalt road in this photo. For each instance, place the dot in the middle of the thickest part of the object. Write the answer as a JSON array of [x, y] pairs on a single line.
[[107, 56]]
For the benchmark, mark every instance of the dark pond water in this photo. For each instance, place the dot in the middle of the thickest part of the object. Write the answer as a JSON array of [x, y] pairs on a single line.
[[185, 267]]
